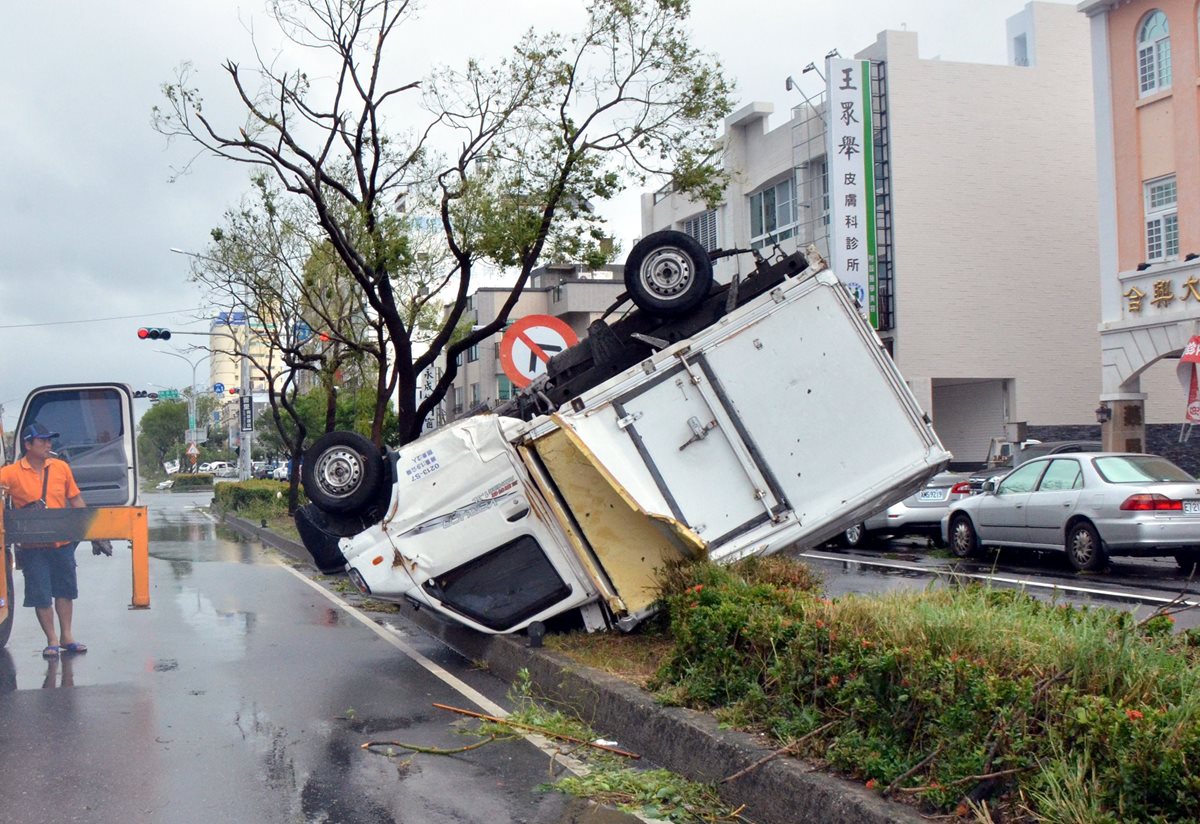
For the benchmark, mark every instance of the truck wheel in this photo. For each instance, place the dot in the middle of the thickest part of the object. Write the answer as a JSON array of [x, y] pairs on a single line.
[[342, 472], [668, 273], [6, 627]]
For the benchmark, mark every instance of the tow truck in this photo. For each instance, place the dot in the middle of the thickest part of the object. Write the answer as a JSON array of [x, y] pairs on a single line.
[[97, 438]]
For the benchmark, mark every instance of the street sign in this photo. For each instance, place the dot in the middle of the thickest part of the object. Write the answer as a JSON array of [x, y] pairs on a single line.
[[192, 450], [247, 413], [219, 388], [529, 344], [303, 331], [196, 435], [168, 395]]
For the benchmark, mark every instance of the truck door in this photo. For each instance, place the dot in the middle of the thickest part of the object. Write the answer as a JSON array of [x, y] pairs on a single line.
[[686, 436], [96, 437]]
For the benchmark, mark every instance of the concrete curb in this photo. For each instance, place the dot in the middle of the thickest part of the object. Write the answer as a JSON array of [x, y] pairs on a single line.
[[781, 791]]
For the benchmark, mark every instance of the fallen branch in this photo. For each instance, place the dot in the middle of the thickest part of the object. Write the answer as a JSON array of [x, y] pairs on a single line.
[[913, 771], [431, 750], [539, 731], [781, 751], [968, 779]]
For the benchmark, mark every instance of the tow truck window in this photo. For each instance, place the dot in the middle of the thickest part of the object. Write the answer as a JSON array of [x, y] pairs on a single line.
[[91, 439], [503, 587]]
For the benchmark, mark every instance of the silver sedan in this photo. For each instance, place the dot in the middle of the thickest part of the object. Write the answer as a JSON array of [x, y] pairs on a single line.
[[1092, 504]]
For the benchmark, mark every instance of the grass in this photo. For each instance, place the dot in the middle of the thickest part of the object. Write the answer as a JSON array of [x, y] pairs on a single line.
[[610, 779], [956, 697]]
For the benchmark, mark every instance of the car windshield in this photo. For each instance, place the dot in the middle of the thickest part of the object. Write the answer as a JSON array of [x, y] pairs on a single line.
[[1139, 469]]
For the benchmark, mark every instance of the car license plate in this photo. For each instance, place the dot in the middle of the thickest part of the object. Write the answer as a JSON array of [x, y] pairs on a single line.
[[1192, 507], [940, 495]]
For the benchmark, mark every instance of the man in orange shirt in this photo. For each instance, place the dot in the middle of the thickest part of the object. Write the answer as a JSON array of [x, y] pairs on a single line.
[[49, 569]]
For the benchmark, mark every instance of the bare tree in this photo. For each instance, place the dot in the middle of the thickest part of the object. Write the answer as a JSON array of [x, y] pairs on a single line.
[[508, 159]]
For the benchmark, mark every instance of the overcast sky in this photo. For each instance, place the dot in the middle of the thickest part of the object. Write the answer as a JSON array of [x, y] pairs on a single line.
[[89, 212]]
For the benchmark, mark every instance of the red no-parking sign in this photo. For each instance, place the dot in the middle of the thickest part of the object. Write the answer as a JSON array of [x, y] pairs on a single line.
[[529, 343]]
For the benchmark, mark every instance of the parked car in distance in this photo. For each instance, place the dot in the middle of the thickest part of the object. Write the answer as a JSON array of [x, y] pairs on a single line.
[[919, 514], [280, 472], [1027, 451], [1089, 504]]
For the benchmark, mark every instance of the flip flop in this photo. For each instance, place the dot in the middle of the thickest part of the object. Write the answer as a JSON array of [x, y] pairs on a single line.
[[73, 649], [51, 652]]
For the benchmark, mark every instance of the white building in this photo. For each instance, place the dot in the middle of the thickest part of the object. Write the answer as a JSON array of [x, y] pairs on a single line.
[[570, 292], [986, 223]]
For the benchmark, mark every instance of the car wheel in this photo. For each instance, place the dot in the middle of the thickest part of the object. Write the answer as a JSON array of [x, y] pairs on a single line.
[[668, 273], [342, 472], [1084, 550], [1188, 560], [855, 536], [964, 542], [6, 627]]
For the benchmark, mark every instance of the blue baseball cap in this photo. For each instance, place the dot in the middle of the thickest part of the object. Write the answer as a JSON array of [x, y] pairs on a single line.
[[36, 430]]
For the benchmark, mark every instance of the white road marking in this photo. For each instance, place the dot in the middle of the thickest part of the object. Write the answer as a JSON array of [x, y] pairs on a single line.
[[1019, 582]]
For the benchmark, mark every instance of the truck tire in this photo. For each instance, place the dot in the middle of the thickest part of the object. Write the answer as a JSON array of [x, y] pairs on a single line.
[[668, 273], [6, 627], [342, 472]]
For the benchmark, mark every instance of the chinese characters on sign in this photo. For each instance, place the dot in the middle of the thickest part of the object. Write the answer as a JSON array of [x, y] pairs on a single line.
[[1162, 294], [851, 166]]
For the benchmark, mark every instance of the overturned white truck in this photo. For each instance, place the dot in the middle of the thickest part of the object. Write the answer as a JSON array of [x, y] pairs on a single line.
[[711, 421]]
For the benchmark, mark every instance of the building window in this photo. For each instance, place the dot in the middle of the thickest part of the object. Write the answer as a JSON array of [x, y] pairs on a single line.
[[504, 388], [475, 396], [458, 396], [1162, 220], [1154, 54], [473, 354], [703, 227], [772, 214]]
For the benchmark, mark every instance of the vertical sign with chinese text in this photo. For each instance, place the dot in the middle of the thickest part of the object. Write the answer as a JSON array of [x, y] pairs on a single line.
[[851, 149]]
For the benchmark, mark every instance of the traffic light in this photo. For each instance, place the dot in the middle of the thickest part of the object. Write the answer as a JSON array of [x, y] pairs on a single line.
[[142, 393], [154, 333], [233, 390]]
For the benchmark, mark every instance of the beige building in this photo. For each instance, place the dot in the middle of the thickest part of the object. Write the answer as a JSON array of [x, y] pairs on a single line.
[[1146, 65], [569, 292], [985, 222]]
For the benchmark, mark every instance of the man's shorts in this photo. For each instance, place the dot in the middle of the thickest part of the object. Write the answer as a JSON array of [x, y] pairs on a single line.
[[49, 573]]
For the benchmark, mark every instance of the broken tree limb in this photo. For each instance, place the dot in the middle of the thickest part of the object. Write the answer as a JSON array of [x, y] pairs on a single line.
[[370, 745], [539, 731], [776, 754]]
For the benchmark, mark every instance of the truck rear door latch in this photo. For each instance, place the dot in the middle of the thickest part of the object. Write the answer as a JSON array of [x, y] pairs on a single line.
[[699, 431], [628, 420]]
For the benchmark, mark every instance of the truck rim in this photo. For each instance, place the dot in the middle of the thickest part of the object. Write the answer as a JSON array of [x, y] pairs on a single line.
[[667, 272], [339, 471]]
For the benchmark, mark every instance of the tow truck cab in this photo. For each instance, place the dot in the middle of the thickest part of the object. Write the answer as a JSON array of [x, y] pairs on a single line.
[[97, 438]]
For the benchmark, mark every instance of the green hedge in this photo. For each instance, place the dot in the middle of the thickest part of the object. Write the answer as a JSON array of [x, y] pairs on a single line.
[[185, 481], [1066, 713], [253, 499]]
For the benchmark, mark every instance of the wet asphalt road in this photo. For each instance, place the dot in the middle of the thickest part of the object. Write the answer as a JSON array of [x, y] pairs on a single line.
[[243, 695]]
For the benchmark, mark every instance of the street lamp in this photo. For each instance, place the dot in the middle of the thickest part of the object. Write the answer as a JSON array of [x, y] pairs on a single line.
[[1103, 413], [192, 396], [245, 396]]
